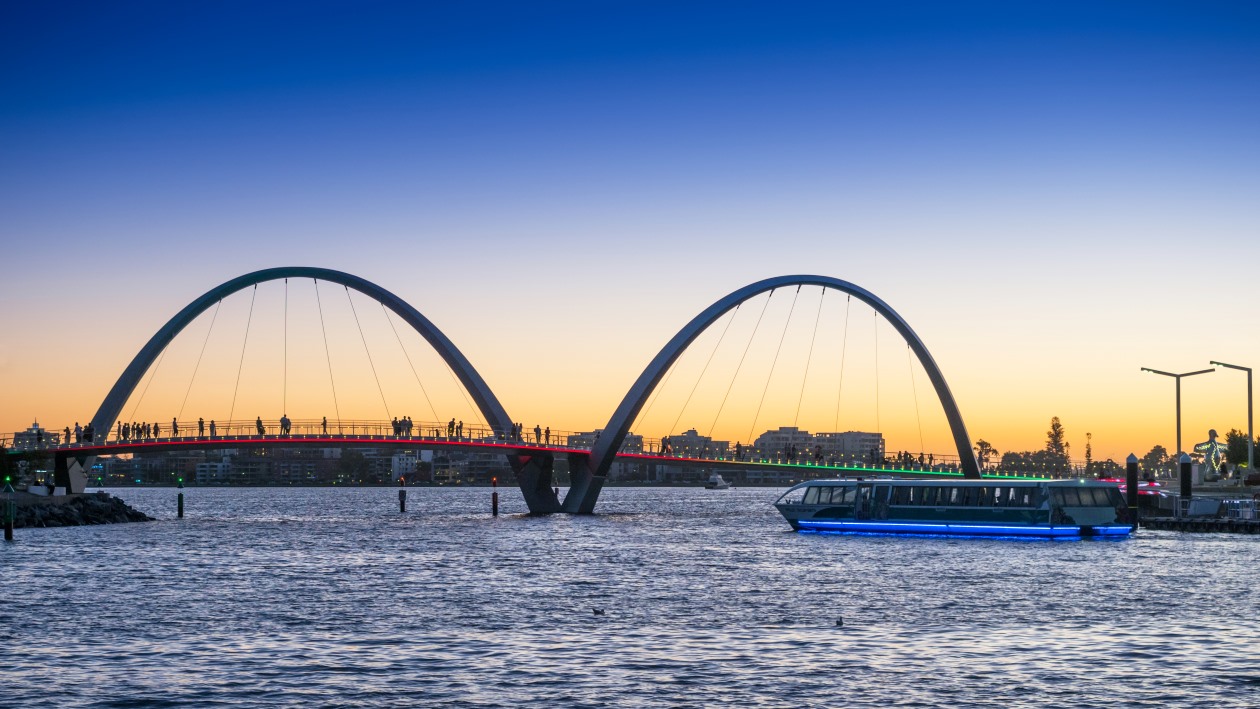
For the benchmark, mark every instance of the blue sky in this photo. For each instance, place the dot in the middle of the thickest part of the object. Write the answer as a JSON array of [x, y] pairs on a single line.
[[599, 157]]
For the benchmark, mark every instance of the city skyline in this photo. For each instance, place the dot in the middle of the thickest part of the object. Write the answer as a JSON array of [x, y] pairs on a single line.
[[1052, 196]]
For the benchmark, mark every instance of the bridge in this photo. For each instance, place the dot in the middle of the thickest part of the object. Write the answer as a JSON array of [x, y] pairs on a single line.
[[532, 461]]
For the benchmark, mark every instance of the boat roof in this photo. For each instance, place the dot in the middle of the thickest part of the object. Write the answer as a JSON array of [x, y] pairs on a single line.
[[986, 482]]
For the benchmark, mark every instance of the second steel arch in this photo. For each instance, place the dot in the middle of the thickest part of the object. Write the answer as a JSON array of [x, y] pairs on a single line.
[[588, 482]]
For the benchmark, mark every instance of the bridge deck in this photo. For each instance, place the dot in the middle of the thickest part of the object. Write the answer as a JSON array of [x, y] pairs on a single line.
[[808, 467]]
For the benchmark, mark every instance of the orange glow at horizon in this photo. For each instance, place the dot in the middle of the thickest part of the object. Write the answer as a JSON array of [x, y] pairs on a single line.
[[763, 366]]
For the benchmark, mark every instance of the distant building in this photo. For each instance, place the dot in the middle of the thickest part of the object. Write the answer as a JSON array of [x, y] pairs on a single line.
[[35, 437], [214, 473], [780, 443], [850, 446], [690, 444]]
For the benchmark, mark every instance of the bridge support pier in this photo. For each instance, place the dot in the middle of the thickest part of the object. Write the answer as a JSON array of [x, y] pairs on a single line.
[[534, 473], [69, 472], [584, 486]]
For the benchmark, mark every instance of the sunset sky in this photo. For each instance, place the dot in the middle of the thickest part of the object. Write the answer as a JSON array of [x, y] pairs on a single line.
[[1052, 195]]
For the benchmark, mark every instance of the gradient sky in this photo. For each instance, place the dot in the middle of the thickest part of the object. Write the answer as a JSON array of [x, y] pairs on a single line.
[[1053, 195]]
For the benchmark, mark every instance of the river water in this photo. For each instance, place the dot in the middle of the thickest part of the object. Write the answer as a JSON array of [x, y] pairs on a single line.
[[330, 597]]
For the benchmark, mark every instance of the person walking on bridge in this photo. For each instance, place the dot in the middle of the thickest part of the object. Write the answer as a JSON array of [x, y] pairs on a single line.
[[212, 431], [259, 425], [174, 427], [450, 429], [201, 427], [547, 435], [324, 423], [537, 434], [285, 424]]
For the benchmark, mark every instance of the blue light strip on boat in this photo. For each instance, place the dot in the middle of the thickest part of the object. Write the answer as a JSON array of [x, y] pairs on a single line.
[[1113, 530], [969, 529]]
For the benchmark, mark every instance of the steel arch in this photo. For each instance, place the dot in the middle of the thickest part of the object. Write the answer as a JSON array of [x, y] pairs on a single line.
[[614, 432], [486, 401]]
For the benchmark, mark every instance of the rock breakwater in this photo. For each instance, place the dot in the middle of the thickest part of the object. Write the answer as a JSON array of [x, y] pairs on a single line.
[[76, 510]]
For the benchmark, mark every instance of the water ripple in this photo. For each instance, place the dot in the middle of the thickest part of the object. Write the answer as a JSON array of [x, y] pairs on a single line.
[[321, 597]]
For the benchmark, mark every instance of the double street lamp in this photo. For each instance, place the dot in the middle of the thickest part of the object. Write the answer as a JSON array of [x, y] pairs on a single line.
[[1251, 436], [1178, 378]]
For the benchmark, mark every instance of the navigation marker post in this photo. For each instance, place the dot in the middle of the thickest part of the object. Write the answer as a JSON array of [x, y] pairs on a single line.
[[179, 514], [1131, 488], [10, 509], [1187, 487], [494, 496]]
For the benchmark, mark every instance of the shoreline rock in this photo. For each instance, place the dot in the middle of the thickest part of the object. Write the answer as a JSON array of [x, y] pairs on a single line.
[[78, 510]]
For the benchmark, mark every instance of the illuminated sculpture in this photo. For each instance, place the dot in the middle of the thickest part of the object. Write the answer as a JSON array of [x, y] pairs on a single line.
[[1213, 455]]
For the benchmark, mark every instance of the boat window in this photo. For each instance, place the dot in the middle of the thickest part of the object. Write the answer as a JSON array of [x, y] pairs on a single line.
[[1114, 498], [984, 496], [811, 496], [1070, 497], [1101, 498], [955, 496], [1021, 497], [901, 496], [999, 497], [831, 495]]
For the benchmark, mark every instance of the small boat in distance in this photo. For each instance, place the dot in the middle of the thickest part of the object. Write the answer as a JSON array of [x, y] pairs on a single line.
[[994, 508], [715, 482]]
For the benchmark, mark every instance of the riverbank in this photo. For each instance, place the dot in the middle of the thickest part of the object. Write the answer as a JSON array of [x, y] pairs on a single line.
[[73, 510]]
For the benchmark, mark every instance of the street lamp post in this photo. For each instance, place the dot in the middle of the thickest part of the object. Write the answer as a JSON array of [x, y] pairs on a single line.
[[1178, 378], [1251, 440]]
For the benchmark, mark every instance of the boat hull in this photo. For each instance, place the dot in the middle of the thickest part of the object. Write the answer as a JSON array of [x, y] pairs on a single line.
[[962, 529]]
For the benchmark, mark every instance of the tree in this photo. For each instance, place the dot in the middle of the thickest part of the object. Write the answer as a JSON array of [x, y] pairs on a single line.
[[1236, 446], [1156, 461], [984, 451], [1034, 462], [1055, 439]]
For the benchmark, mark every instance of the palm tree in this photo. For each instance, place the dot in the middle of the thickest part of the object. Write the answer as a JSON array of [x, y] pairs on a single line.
[[984, 451]]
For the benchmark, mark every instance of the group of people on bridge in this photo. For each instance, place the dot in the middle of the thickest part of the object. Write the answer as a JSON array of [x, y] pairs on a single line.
[[82, 434]]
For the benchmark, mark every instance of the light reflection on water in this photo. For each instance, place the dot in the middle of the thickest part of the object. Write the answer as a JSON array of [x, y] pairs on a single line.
[[299, 596]]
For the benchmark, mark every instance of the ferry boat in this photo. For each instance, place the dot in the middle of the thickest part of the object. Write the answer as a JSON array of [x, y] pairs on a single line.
[[994, 508]]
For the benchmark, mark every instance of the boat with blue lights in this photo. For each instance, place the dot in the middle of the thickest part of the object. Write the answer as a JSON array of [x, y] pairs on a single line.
[[990, 508]]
